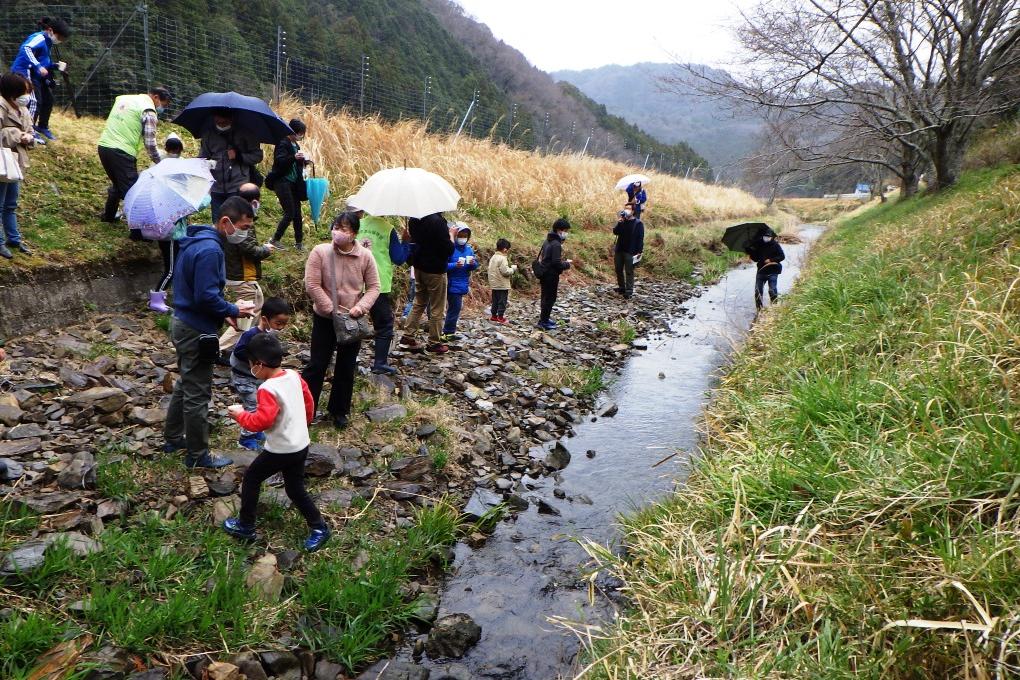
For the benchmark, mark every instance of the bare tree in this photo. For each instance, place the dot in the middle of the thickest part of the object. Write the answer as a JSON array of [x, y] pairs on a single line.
[[894, 83]]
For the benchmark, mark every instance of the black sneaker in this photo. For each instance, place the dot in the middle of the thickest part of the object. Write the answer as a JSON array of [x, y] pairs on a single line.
[[22, 248], [340, 422]]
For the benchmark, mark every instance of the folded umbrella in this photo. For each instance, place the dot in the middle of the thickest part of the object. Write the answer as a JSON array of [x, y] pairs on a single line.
[[406, 192], [739, 236], [166, 192], [251, 114], [317, 189], [630, 179]]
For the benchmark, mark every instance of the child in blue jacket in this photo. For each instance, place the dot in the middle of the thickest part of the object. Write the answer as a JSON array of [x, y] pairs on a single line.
[[458, 273]]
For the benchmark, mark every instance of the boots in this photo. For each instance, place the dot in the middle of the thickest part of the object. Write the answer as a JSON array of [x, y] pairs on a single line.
[[157, 301]]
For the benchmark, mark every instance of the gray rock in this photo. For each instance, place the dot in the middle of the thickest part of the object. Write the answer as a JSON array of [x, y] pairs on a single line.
[[426, 609], [481, 501], [545, 509], [103, 399], [385, 414], [80, 473], [249, 665], [558, 458], [517, 503], [283, 665], [30, 555], [10, 414], [425, 431], [147, 416], [402, 491], [151, 674], [25, 431], [47, 503], [391, 669], [339, 497], [452, 636], [411, 469], [20, 447], [10, 470], [322, 460], [608, 410], [327, 670]]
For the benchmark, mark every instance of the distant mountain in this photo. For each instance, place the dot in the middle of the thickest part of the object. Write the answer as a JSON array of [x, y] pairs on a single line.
[[636, 93]]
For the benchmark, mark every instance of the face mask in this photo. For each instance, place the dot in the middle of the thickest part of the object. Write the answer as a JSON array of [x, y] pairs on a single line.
[[23, 100], [238, 236], [627, 214], [272, 331], [300, 138], [160, 109], [224, 128], [462, 242], [342, 239], [563, 235], [766, 239], [255, 207], [252, 370]]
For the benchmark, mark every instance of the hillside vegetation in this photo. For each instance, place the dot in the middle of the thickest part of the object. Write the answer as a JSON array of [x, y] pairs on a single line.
[[505, 192], [855, 510]]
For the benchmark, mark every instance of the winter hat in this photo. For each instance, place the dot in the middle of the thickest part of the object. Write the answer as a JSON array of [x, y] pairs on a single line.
[[561, 223]]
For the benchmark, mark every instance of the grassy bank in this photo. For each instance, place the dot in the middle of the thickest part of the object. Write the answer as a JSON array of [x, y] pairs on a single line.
[[855, 510], [506, 193]]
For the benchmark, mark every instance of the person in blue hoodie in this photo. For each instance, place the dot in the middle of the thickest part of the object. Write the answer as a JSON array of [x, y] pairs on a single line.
[[199, 311], [458, 272], [33, 61]]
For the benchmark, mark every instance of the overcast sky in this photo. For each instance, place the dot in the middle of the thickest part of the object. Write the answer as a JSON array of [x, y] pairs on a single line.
[[581, 34]]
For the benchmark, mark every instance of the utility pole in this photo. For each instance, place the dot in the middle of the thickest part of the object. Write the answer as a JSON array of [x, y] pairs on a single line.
[[364, 77], [591, 134], [513, 114], [474, 100], [573, 124], [646, 159], [425, 97], [144, 9], [281, 53], [545, 128]]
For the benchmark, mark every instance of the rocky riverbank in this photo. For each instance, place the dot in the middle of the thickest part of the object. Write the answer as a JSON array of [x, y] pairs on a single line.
[[83, 407]]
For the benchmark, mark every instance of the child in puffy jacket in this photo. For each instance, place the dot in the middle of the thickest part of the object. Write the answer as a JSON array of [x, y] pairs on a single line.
[[500, 271], [458, 273]]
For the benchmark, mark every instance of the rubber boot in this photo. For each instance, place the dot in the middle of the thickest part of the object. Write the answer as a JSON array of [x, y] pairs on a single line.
[[157, 301]]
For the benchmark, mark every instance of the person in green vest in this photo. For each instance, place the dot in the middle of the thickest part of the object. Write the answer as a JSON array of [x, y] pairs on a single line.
[[130, 127], [388, 249]]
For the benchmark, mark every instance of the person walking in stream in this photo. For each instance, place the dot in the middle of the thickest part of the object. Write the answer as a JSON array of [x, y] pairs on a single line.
[[548, 268], [388, 248], [15, 135], [767, 254]]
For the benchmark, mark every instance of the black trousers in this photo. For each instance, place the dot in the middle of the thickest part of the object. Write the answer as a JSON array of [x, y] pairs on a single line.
[[292, 467], [44, 99], [323, 346], [168, 253], [288, 194], [382, 321], [499, 301], [624, 265], [550, 288], [122, 170]]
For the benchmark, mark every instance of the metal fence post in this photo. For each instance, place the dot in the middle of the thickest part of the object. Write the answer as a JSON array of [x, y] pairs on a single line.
[[425, 97], [144, 9], [364, 75], [467, 113]]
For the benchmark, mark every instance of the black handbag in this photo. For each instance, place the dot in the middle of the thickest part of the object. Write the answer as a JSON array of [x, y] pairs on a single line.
[[348, 329]]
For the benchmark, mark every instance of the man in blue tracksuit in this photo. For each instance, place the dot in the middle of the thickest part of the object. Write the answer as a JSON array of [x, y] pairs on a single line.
[[33, 61], [199, 311], [458, 271], [636, 195]]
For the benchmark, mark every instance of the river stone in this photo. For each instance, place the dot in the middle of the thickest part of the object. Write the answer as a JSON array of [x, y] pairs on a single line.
[[558, 458], [284, 665], [47, 503], [609, 410], [452, 636], [411, 469], [19, 447], [147, 416], [31, 554], [391, 670], [266, 580], [80, 473], [26, 431], [104, 399], [322, 460], [250, 666], [545, 509], [385, 414], [481, 501], [426, 610], [10, 470], [515, 502]]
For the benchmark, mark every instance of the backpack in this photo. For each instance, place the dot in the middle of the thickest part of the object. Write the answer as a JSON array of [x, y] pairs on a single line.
[[538, 267]]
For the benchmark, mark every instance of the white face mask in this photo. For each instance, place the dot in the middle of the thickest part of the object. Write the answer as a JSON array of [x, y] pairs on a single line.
[[252, 370], [766, 239], [462, 242], [272, 331], [563, 235], [23, 100], [255, 207], [224, 128], [238, 236]]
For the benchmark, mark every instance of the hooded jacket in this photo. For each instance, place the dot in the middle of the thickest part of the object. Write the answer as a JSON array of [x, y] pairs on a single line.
[[229, 175], [552, 255], [199, 277], [16, 121], [458, 277], [760, 251], [432, 244]]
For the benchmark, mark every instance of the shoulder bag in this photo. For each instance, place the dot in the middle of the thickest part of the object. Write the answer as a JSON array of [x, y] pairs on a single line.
[[10, 169], [348, 329]]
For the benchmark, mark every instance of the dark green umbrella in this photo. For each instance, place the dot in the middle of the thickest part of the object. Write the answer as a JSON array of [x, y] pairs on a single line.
[[739, 236]]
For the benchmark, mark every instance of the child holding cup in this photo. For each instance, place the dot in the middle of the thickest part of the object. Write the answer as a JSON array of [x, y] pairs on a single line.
[[458, 273]]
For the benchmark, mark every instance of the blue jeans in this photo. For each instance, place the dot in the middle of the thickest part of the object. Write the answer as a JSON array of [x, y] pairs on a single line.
[[246, 386], [454, 303], [8, 204], [764, 276], [410, 298]]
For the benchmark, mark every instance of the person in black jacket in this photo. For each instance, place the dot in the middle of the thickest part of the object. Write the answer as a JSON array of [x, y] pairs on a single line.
[[288, 181], [553, 264], [767, 253], [630, 242], [432, 250]]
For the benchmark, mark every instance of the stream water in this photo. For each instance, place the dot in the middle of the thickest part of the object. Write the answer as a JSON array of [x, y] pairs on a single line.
[[532, 568]]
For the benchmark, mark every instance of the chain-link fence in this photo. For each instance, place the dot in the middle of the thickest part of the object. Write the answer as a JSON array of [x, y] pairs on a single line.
[[117, 50]]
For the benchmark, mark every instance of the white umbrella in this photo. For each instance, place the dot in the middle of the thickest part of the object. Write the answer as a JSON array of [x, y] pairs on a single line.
[[405, 192], [630, 179], [166, 192]]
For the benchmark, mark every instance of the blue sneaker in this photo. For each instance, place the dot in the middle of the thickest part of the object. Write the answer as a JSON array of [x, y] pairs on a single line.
[[45, 132], [384, 369], [252, 442], [171, 446], [208, 460], [316, 539], [233, 526]]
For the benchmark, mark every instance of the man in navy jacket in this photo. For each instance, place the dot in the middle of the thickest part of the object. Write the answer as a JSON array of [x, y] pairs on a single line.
[[767, 254], [199, 311]]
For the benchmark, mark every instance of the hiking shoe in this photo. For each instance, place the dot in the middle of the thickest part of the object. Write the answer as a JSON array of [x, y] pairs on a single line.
[[208, 460], [171, 446], [547, 325], [45, 132], [300, 247], [22, 248], [39, 139], [317, 538], [233, 526], [494, 318], [276, 244], [438, 348], [407, 341], [5, 252], [384, 369], [501, 319], [250, 442], [340, 422]]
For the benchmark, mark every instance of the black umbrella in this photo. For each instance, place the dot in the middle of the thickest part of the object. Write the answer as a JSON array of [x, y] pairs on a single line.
[[250, 114], [739, 236]]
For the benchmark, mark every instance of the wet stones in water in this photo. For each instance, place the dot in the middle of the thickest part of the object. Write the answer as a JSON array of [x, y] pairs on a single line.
[[590, 453], [545, 509], [388, 670], [426, 610], [452, 636], [558, 458], [481, 502]]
